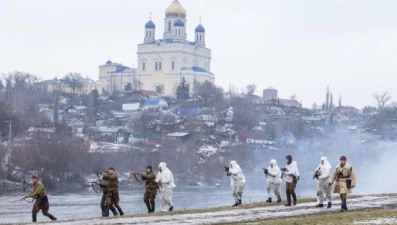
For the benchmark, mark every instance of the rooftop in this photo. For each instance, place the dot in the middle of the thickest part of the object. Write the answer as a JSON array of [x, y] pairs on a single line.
[[86, 80], [177, 134]]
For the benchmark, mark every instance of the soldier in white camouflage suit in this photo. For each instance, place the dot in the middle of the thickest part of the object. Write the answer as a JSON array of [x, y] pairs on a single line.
[[323, 173], [273, 175]]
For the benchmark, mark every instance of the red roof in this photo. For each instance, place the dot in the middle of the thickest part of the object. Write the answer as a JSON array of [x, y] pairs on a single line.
[[149, 93]]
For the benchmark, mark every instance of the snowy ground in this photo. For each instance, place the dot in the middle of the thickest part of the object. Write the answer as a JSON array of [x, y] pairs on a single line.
[[378, 221], [245, 215]]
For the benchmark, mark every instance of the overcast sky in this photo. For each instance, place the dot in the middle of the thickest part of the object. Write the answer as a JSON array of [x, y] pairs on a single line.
[[295, 46]]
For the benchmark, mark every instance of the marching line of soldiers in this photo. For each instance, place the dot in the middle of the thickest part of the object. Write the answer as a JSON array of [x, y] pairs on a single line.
[[343, 176]]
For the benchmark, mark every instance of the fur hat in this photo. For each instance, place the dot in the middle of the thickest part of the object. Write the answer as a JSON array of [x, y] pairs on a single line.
[[111, 168], [289, 157], [343, 158]]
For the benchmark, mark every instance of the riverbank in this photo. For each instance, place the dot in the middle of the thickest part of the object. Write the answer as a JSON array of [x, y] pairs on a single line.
[[362, 210]]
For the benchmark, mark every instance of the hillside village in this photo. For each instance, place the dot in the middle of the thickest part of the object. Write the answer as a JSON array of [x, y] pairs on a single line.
[[203, 129]]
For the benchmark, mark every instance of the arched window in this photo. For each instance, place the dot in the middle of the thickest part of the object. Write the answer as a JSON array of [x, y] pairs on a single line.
[[146, 34], [169, 26]]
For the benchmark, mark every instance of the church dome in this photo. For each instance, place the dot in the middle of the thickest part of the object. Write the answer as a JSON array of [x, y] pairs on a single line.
[[175, 9], [200, 28], [109, 62], [179, 23], [150, 24]]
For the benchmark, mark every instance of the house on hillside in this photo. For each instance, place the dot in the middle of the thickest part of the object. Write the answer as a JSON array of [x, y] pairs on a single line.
[[348, 111], [207, 116], [155, 103], [142, 94], [47, 132], [77, 109], [103, 133], [178, 136], [188, 111], [250, 137]]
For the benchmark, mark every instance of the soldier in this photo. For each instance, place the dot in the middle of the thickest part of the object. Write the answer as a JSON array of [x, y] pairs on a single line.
[[237, 181], [41, 203], [323, 173], [151, 189], [104, 206], [273, 176], [291, 176], [345, 181], [165, 178], [112, 196]]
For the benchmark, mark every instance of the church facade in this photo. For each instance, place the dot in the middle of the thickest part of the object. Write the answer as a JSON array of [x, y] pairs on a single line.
[[163, 62]]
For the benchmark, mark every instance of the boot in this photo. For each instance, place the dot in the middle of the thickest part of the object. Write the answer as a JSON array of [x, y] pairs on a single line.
[[53, 218], [113, 211], [153, 203], [239, 202], [235, 204], [106, 214], [149, 209], [344, 204], [171, 208], [329, 205], [319, 205], [34, 218], [269, 200], [294, 197], [278, 198], [120, 211], [288, 200]]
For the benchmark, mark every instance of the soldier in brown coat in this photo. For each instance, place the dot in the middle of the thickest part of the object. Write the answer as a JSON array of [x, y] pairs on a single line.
[[345, 180], [112, 196], [41, 202], [151, 189], [104, 206]]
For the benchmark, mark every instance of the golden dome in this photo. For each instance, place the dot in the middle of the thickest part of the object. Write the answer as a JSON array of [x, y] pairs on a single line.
[[175, 9]]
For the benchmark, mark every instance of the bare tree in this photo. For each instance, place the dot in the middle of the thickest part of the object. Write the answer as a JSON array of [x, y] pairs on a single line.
[[143, 124], [73, 80], [314, 106], [250, 89], [380, 100]]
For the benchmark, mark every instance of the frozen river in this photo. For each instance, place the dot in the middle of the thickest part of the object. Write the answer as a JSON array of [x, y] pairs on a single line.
[[85, 203]]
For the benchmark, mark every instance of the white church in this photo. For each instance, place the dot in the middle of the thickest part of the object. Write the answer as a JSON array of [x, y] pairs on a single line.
[[163, 62]]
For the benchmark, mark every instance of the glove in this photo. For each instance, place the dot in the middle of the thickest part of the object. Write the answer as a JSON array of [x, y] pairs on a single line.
[[330, 184]]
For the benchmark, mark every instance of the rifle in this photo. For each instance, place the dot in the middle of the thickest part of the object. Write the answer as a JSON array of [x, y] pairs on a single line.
[[266, 171], [283, 170], [24, 199], [99, 181], [226, 169], [97, 173], [134, 173], [316, 174]]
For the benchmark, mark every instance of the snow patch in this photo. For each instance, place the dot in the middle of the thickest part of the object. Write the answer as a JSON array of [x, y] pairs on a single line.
[[378, 221]]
